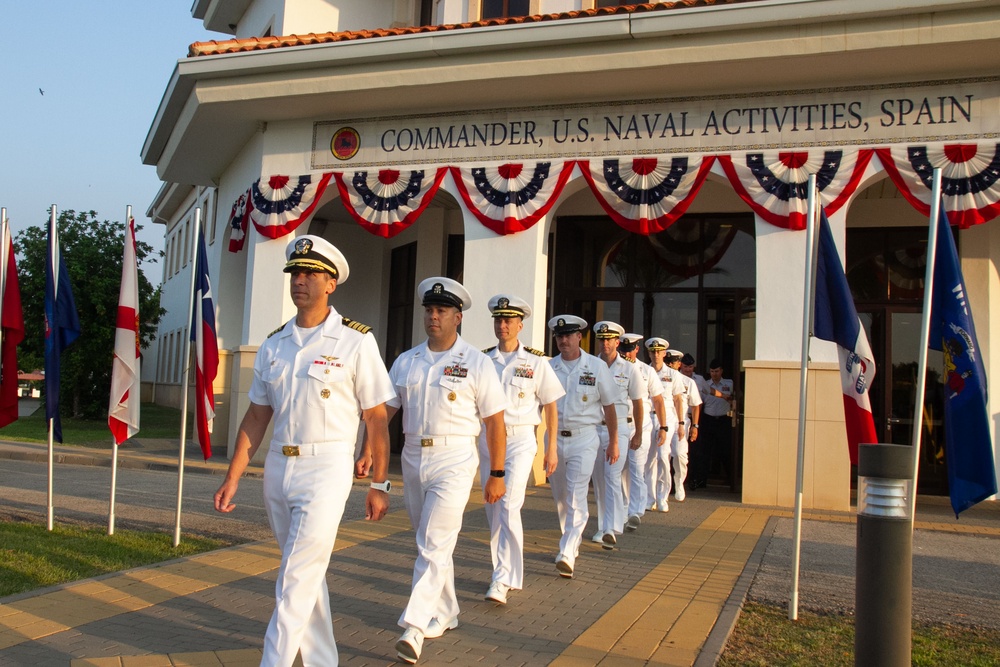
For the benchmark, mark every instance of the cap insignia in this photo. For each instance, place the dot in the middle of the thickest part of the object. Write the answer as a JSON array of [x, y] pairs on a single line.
[[303, 246], [503, 303], [561, 322], [437, 289], [604, 328]]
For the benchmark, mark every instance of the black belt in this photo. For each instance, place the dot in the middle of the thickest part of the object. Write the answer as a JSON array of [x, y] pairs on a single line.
[[628, 419]]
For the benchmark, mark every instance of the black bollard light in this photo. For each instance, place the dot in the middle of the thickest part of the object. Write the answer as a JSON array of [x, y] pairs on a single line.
[[883, 593]]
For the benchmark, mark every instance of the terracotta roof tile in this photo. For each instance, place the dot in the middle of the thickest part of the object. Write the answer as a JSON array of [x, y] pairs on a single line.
[[263, 43]]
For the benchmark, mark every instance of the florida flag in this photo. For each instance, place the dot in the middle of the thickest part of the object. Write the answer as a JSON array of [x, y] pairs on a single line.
[[206, 348], [837, 320], [123, 405]]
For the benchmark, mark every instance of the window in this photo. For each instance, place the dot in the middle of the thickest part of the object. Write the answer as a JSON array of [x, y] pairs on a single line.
[[499, 9]]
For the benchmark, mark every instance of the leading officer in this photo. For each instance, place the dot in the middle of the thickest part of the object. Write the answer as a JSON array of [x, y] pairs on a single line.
[[532, 389], [318, 375], [445, 388]]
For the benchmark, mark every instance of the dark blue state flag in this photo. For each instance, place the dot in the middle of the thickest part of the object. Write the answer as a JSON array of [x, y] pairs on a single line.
[[62, 325], [968, 442]]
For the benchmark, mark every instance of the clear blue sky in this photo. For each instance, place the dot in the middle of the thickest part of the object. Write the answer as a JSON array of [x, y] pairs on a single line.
[[103, 65]]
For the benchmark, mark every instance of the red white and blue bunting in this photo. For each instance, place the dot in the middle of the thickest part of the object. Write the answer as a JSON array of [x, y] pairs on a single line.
[[388, 201], [238, 217], [648, 194], [644, 195], [512, 197], [970, 178], [775, 183], [282, 203]]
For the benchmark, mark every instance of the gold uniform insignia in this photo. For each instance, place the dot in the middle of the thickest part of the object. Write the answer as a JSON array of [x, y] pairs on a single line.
[[531, 350], [357, 326], [278, 330], [489, 349], [452, 396], [325, 393]]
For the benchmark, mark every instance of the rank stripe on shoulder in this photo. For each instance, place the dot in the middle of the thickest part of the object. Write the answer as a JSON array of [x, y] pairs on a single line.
[[489, 349], [357, 326], [278, 330], [531, 350]]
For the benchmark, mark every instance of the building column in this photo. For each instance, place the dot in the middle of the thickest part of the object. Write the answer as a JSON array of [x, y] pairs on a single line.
[[772, 382], [515, 264], [266, 307]]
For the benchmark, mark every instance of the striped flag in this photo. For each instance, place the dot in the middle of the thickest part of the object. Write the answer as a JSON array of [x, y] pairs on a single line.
[[837, 320], [206, 348], [123, 404]]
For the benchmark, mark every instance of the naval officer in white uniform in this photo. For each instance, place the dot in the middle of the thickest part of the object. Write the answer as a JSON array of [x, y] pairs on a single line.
[[585, 410], [630, 392], [658, 464], [446, 389], [635, 477], [532, 389], [318, 375]]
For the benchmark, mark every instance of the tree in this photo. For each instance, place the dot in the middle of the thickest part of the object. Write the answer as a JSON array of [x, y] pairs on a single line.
[[93, 253]]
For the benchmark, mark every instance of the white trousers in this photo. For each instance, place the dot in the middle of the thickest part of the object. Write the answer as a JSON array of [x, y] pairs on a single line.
[[634, 481], [679, 454], [504, 516], [570, 484], [608, 480], [305, 498], [436, 485], [658, 467]]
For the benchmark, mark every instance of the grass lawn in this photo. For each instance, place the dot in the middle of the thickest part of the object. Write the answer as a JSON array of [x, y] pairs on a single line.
[[32, 557], [156, 421], [764, 637]]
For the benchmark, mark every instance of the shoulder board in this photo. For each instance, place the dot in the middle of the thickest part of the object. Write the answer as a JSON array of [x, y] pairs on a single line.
[[531, 350], [489, 349], [357, 326], [278, 330]]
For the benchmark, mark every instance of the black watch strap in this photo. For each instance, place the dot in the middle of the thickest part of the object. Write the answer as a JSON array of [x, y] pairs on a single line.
[[497, 473]]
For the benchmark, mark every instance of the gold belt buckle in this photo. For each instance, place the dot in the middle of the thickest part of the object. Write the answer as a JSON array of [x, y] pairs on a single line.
[[290, 450], [426, 442]]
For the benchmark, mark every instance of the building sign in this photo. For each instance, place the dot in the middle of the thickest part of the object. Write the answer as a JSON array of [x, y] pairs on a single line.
[[962, 110]]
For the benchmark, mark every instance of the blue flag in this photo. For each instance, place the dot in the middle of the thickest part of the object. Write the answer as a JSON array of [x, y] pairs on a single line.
[[968, 445], [62, 325]]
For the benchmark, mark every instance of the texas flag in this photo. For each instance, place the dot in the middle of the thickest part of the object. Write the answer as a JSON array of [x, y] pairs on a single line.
[[837, 320], [206, 347]]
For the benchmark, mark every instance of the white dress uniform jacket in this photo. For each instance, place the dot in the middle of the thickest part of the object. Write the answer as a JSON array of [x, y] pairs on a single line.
[[589, 386], [317, 381], [444, 397], [529, 383]]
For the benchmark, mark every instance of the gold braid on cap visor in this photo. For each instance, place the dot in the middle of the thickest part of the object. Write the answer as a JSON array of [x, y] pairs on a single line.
[[310, 264]]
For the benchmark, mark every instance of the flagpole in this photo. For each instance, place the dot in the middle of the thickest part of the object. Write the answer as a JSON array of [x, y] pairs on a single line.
[[114, 441], [807, 326], [925, 334], [55, 294], [187, 372]]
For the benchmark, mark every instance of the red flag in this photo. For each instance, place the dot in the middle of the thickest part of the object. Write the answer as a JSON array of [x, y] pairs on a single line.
[[12, 321], [206, 347], [123, 405], [238, 218]]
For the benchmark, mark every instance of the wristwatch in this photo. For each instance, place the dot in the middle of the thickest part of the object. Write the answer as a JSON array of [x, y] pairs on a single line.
[[694, 426], [664, 428], [497, 473], [382, 486]]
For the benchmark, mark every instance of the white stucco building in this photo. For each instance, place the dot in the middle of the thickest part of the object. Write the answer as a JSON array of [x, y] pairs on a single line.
[[508, 143]]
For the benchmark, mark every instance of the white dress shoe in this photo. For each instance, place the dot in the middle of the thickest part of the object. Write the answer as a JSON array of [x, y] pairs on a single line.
[[497, 592], [608, 540], [410, 645], [436, 628], [598, 537], [633, 523], [565, 567]]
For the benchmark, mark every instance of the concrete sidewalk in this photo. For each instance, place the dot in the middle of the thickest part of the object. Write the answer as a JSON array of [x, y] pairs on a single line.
[[669, 596]]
